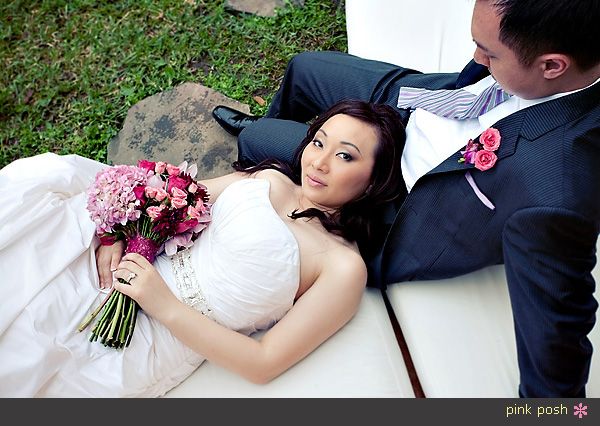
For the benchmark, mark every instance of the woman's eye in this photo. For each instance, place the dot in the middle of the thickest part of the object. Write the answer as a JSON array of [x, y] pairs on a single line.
[[345, 156], [318, 143]]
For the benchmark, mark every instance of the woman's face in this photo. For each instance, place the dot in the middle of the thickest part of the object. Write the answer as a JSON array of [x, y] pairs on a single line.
[[337, 164]]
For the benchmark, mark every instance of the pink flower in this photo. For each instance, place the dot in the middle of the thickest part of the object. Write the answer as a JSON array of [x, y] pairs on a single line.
[[154, 211], [112, 198], [469, 152], [178, 182], [161, 194], [178, 193], [178, 202], [155, 181], [182, 227], [193, 188], [147, 165], [193, 212], [485, 160], [490, 138], [172, 170], [150, 191], [181, 240], [139, 192], [160, 167]]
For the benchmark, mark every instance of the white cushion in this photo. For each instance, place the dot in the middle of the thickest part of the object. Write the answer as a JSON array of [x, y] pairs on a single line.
[[461, 338], [426, 35], [361, 360]]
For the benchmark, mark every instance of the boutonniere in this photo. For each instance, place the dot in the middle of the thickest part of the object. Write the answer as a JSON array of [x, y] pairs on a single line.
[[482, 154]]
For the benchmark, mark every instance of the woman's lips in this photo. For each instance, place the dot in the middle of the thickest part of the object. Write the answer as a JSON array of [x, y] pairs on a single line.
[[314, 181]]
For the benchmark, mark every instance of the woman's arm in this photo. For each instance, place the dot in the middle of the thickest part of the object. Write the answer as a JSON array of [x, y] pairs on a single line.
[[107, 260], [217, 185], [317, 315]]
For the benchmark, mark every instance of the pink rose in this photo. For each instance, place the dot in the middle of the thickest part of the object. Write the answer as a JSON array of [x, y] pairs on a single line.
[[178, 202], [193, 188], [490, 138], [178, 193], [173, 170], [161, 194], [150, 191], [485, 160], [193, 212], [154, 211], [160, 167]]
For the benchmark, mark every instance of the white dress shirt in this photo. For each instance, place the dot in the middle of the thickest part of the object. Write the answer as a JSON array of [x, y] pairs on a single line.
[[431, 139]]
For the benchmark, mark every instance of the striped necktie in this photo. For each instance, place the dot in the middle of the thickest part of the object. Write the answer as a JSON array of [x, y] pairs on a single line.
[[458, 104]]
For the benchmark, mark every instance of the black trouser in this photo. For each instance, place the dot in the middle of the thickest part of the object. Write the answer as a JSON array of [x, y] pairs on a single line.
[[315, 81]]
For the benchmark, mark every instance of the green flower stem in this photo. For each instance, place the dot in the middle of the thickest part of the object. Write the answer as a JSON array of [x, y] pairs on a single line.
[[132, 323], [116, 316], [123, 336], [100, 325], [87, 320]]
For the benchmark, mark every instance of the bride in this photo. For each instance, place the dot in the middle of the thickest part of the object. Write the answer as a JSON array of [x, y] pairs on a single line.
[[280, 253]]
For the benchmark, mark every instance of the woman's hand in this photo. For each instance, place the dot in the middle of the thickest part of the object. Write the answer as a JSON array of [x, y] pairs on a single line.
[[146, 286], [107, 259]]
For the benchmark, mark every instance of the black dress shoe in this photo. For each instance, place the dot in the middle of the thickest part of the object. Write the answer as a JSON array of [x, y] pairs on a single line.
[[233, 121]]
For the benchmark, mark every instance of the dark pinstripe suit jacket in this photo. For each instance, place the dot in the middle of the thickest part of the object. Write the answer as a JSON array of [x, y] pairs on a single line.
[[545, 187]]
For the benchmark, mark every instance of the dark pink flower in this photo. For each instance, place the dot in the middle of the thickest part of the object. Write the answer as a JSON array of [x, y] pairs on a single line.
[[485, 160], [148, 165], [178, 182], [469, 152], [182, 227]]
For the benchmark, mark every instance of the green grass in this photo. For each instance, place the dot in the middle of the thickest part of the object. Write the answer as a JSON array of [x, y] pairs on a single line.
[[72, 68]]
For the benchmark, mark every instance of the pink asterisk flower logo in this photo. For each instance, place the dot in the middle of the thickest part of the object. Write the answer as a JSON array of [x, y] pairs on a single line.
[[580, 410]]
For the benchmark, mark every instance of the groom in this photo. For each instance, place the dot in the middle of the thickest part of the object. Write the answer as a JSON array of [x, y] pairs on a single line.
[[526, 195]]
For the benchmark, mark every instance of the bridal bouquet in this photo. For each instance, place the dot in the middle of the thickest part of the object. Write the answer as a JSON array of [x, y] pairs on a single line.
[[153, 206]]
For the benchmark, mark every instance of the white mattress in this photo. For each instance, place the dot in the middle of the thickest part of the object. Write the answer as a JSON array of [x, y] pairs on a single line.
[[461, 338], [362, 360]]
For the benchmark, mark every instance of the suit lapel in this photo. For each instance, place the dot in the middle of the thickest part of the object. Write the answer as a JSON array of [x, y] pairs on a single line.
[[509, 128], [530, 123]]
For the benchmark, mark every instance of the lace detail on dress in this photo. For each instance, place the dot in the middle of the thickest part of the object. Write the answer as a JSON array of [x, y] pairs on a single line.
[[188, 286]]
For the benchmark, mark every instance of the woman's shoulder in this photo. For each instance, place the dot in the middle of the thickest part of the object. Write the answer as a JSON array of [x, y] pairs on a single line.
[[275, 177], [281, 186], [345, 262]]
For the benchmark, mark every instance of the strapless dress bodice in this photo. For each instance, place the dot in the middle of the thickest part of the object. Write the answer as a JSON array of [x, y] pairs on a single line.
[[244, 267]]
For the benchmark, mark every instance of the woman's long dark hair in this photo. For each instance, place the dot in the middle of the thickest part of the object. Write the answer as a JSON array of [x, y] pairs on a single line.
[[354, 221]]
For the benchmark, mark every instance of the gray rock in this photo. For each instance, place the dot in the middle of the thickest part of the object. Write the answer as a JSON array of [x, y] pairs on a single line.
[[177, 125], [259, 7]]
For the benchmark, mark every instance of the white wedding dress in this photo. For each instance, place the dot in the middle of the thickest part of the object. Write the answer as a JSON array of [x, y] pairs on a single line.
[[243, 272]]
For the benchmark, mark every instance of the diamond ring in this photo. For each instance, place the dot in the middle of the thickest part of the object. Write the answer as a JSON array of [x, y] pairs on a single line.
[[131, 276]]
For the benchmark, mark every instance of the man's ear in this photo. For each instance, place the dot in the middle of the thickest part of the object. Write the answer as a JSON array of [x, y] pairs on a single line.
[[554, 65]]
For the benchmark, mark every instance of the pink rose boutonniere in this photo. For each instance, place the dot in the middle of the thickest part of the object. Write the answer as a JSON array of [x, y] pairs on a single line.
[[482, 154]]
